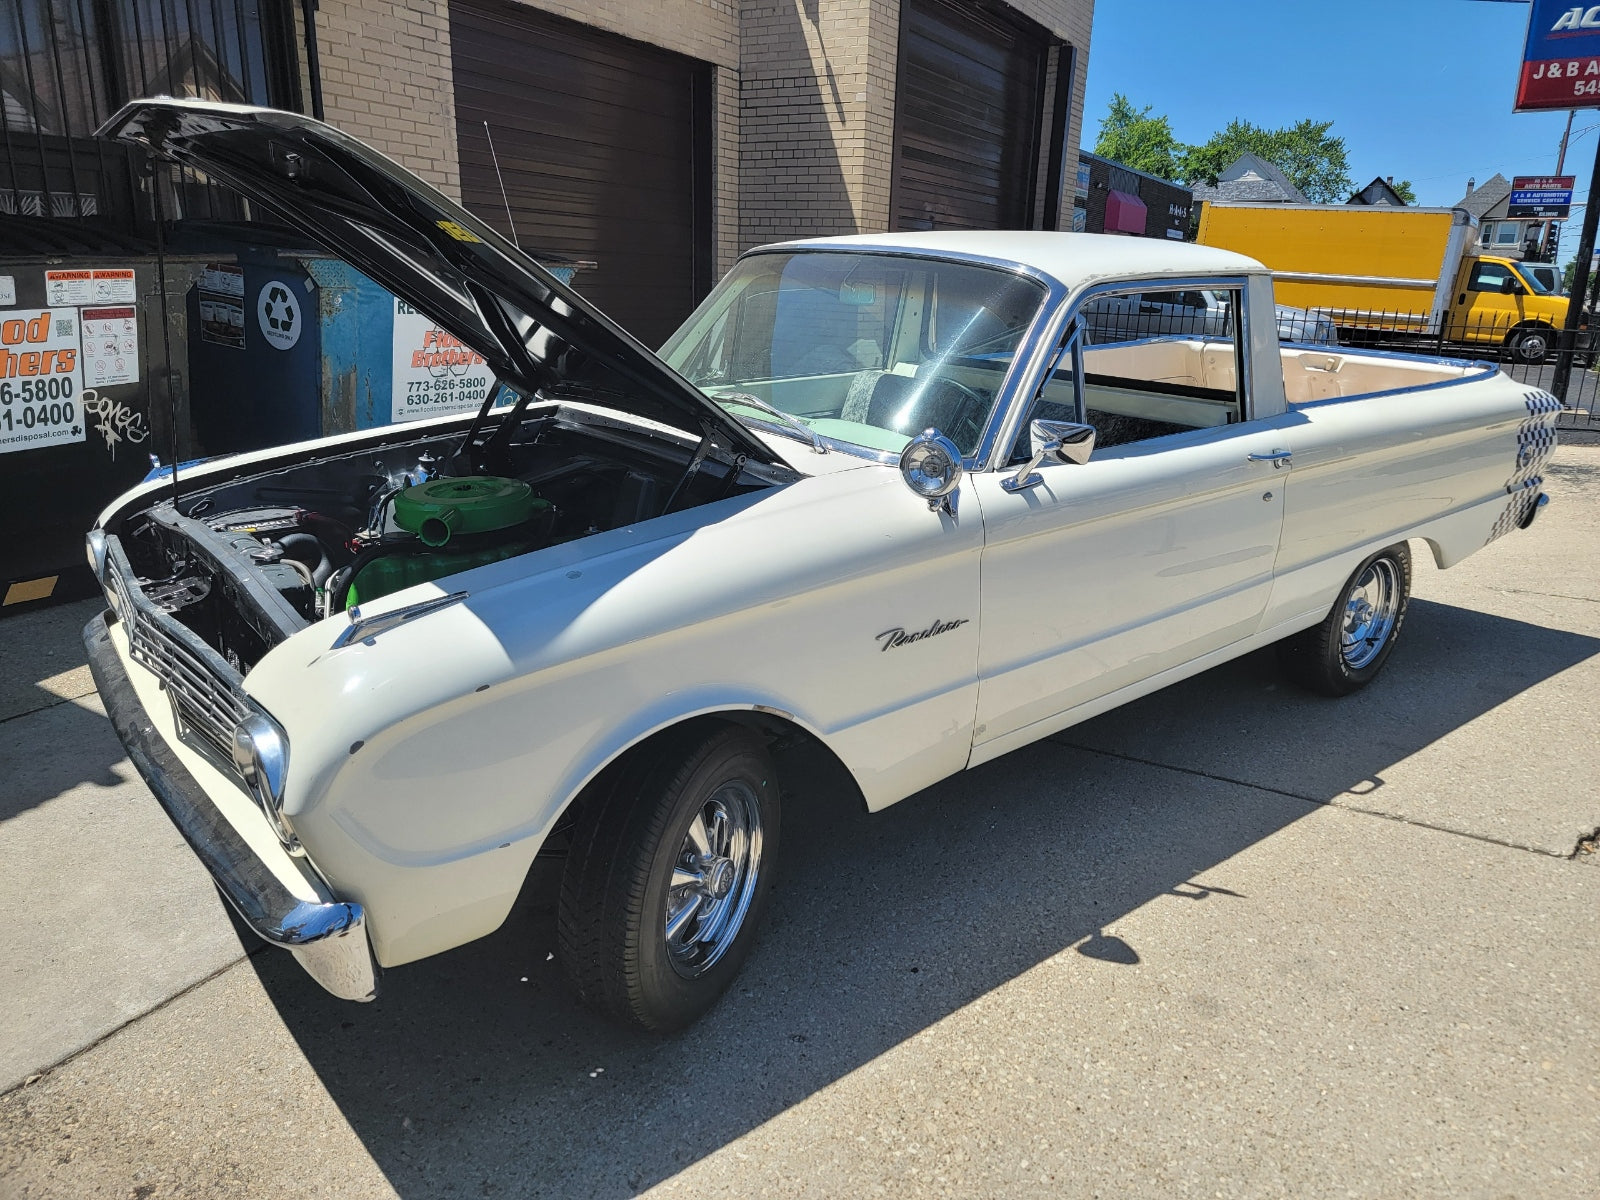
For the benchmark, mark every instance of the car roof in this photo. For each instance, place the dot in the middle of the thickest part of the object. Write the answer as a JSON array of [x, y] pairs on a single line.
[[1073, 259]]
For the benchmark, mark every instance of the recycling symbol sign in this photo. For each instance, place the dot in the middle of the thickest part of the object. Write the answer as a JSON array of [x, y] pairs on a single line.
[[278, 314]]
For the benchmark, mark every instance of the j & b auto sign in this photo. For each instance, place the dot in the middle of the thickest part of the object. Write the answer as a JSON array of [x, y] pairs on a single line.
[[1561, 58]]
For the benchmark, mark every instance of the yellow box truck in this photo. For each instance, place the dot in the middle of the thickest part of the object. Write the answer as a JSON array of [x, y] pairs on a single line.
[[1382, 273]]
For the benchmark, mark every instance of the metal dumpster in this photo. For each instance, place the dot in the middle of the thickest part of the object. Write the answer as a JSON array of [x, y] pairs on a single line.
[[268, 344]]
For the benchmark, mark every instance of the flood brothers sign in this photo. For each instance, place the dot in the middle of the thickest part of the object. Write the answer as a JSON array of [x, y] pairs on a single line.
[[1561, 58]]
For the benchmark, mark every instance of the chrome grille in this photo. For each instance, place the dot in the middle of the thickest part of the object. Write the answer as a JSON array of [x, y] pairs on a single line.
[[205, 691]]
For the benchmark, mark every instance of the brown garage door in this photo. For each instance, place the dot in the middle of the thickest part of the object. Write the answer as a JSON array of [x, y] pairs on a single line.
[[968, 108], [605, 146]]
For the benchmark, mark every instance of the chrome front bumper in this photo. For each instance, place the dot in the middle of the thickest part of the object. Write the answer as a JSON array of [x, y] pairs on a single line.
[[328, 937]]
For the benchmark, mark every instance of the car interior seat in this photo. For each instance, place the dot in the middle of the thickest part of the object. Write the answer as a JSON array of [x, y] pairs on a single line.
[[907, 405]]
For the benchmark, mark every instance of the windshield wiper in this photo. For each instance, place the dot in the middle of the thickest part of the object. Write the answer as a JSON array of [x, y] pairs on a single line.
[[802, 431]]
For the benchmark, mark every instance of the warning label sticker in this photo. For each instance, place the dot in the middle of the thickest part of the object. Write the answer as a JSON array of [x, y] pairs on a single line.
[[101, 285], [223, 280], [110, 339], [221, 296]]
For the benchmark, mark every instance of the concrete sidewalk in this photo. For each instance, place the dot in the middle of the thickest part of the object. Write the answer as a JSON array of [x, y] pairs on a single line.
[[109, 913], [1230, 940]]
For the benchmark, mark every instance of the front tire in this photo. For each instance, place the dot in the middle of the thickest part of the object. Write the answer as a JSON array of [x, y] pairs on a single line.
[[1532, 344], [670, 867], [1346, 652]]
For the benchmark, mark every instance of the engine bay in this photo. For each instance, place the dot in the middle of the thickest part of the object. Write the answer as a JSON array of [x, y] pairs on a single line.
[[245, 562]]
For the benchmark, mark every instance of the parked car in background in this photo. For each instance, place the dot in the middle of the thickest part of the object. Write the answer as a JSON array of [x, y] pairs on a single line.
[[884, 501], [1202, 312]]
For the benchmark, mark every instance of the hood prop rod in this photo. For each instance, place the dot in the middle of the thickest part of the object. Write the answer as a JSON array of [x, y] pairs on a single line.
[[158, 176], [689, 472], [531, 369]]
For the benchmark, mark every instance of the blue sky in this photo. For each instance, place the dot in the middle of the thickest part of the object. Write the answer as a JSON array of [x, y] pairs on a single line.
[[1419, 89]]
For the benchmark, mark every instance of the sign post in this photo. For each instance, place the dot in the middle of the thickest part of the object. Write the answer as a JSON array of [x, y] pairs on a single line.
[[1561, 70], [1580, 287]]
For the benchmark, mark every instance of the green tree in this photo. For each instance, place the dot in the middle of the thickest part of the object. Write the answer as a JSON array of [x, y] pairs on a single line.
[[1312, 158], [1132, 137], [1403, 190]]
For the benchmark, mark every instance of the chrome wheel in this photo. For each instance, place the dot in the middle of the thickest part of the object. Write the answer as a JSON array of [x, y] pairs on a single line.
[[1370, 610], [713, 879], [1531, 347]]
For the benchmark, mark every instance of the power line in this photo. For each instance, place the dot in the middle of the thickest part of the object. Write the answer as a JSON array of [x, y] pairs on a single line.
[[1572, 141]]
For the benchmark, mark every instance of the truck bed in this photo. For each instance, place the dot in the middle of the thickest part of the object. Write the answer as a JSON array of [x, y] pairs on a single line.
[[1319, 375], [1190, 383]]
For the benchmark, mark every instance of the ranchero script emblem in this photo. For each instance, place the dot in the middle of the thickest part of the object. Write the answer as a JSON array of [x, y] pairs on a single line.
[[891, 639]]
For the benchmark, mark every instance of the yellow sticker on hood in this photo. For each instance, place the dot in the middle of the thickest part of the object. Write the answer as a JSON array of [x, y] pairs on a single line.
[[459, 232]]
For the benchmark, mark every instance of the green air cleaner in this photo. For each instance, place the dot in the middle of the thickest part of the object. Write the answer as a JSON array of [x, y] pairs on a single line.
[[441, 509], [460, 512]]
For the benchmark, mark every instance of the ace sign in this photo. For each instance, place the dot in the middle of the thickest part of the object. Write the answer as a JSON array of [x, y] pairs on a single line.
[[1560, 57]]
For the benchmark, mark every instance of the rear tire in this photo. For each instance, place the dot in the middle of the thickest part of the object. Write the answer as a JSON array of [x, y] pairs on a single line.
[[669, 871], [1347, 650]]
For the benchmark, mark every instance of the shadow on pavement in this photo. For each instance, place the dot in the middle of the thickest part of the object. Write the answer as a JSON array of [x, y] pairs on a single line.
[[49, 745], [53, 751], [475, 1073], [1451, 666], [44, 657]]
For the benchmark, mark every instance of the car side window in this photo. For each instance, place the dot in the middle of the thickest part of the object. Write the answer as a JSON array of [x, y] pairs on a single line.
[[1154, 363], [1488, 277]]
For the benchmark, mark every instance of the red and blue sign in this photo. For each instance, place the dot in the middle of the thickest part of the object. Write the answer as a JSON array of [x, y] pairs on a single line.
[[1541, 197], [1561, 58]]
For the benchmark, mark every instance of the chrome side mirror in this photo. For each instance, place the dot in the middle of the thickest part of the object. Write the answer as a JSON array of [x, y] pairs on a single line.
[[931, 467], [1065, 441]]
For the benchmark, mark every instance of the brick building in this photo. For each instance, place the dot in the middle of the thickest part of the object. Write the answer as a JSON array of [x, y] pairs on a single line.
[[1112, 198], [656, 141], [653, 141]]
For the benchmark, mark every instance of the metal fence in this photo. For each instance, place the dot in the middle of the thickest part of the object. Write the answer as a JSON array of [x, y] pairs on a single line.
[[67, 65], [1531, 352]]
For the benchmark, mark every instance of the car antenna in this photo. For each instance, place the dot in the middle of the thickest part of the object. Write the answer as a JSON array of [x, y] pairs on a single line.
[[515, 241], [158, 176]]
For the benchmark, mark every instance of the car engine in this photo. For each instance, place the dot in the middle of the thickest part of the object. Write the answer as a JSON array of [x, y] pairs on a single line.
[[245, 562]]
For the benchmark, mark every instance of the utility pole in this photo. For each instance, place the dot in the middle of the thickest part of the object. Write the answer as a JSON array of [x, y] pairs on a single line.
[[1561, 163], [1580, 283]]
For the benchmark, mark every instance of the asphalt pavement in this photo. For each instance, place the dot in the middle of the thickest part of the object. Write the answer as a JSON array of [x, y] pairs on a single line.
[[1230, 940]]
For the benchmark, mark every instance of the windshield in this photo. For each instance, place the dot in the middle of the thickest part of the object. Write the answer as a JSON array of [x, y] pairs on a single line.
[[1540, 281], [868, 349]]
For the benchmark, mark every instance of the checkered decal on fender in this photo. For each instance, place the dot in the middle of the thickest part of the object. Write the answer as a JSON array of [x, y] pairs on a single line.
[[1536, 442]]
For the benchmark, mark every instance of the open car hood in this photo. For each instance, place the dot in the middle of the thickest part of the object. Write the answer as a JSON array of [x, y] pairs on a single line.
[[534, 331]]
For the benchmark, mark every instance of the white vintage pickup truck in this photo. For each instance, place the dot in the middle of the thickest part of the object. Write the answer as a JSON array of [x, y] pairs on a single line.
[[905, 502]]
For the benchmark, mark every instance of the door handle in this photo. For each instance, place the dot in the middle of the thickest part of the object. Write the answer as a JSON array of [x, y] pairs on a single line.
[[1278, 458]]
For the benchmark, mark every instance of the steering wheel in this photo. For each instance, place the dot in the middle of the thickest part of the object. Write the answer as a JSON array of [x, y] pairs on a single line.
[[966, 418]]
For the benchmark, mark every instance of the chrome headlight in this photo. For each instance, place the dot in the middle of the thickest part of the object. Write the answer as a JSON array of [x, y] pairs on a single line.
[[931, 467], [261, 754]]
